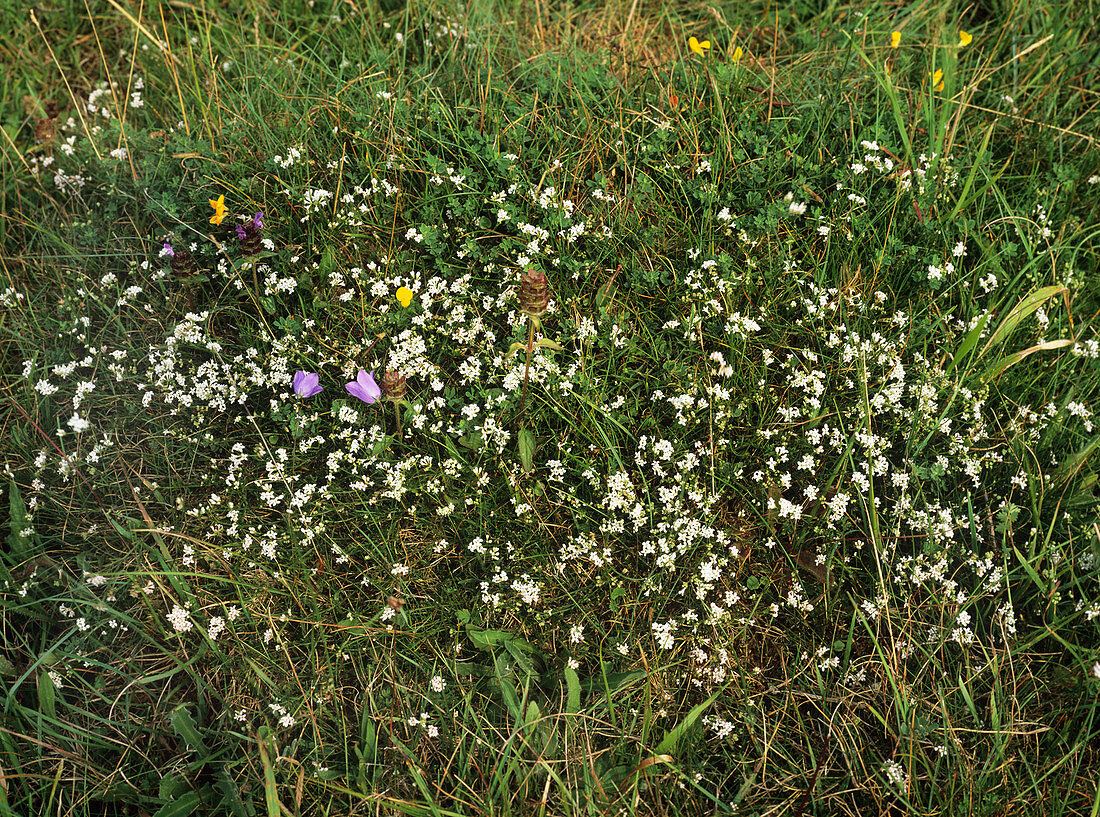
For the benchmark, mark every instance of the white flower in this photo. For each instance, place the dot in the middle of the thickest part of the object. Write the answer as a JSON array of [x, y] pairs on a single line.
[[179, 619], [438, 683]]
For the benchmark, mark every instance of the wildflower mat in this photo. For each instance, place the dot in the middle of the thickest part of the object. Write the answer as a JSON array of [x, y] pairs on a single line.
[[588, 410]]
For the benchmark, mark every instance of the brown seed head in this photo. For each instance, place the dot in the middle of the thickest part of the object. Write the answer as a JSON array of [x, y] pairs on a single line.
[[393, 385], [534, 293], [182, 264]]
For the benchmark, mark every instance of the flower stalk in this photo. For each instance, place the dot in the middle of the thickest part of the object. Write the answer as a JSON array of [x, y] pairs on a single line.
[[534, 299]]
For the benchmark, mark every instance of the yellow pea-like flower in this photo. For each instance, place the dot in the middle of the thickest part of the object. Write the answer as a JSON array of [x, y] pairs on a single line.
[[699, 48], [219, 210], [895, 38], [737, 54], [965, 39], [937, 80], [404, 296]]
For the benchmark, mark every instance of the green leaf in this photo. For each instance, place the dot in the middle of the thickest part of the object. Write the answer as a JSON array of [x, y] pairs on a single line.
[[184, 726], [47, 694], [271, 788], [964, 198], [527, 450], [20, 545], [1016, 315], [573, 694], [605, 296], [676, 734], [1008, 361], [181, 806], [504, 679], [231, 795], [474, 441], [969, 342]]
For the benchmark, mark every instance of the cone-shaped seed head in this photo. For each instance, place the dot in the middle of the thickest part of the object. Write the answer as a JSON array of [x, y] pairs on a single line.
[[534, 293], [393, 385]]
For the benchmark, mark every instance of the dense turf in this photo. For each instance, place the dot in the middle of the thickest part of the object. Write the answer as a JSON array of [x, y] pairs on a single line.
[[783, 503]]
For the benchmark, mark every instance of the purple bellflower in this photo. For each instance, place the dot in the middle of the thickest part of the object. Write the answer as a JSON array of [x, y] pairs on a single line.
[[307, 384], [364, 387]]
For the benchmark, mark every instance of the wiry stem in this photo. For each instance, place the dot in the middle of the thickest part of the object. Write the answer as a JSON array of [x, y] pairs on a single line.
[[527, 368], [397, 414]]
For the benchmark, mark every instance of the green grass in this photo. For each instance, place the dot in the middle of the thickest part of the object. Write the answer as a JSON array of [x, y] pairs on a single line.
[[792, 511]]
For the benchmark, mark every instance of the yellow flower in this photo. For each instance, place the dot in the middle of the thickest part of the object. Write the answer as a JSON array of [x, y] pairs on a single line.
[[895, 38], [219, 210], [937, 80], [404, 296], [698, 47], [737, 52], [965, 39]]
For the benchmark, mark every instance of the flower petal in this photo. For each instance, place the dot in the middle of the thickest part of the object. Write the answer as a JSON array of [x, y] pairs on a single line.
[[364, 387], [404, 296], [307, 384], [219, 209]]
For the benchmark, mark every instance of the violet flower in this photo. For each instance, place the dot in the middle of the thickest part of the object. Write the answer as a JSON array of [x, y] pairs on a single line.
[[246, 230], [168, 251], [364, 387], [307, 384]]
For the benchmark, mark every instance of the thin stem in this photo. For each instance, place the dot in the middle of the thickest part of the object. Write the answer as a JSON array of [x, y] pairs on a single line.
[[527, 368]]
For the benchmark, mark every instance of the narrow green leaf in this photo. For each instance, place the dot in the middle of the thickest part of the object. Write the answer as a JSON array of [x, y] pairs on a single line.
[[1016, 315], [969, 342], [963, 196], [271, 788], [674, 735], [527, 450], [573, 694], [20, 545], [47, 695]]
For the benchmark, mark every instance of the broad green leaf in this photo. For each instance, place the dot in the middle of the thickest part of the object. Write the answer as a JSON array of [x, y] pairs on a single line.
[[184, 726], [181, 806], [231, 795], [19, 543]]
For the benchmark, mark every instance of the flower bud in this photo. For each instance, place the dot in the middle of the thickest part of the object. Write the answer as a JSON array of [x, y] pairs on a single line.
[[182, 263], [250, 233], [393, 385], [534, 293]]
